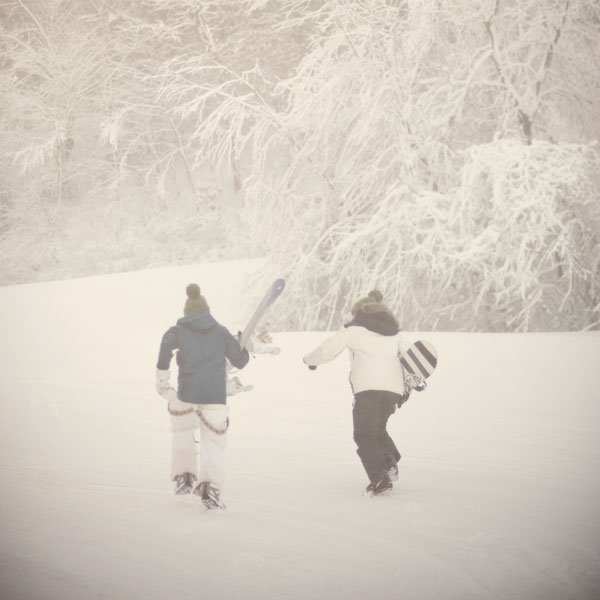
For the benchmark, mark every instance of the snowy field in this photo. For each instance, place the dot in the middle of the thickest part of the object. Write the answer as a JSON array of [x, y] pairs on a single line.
[[498, 496]]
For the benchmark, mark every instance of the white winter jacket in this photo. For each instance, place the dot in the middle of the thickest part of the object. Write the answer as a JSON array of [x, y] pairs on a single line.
[[374, 362]]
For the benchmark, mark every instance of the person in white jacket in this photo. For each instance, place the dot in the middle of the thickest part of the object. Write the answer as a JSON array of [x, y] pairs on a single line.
[[374, 342]]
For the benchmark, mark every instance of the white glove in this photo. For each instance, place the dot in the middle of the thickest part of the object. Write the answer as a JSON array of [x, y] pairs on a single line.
[[162, 381]]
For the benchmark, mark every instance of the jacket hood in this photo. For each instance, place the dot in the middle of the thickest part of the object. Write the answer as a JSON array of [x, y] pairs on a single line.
[[199, 322], [375, 317]]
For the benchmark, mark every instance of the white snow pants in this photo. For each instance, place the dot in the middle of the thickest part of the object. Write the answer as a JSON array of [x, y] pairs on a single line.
[[210, 420]]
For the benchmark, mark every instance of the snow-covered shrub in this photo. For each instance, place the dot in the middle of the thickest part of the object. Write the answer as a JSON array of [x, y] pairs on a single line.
[[522, 241], [515, 245]]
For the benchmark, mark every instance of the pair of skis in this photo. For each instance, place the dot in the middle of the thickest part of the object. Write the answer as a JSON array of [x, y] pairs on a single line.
[[272, 294], [234, 385]]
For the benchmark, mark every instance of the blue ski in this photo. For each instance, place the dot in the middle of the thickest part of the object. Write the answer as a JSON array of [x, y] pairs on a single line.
[[272, 294]]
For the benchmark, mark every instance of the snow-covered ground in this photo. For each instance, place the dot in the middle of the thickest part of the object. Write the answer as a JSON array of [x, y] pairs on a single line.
[[499, 489]]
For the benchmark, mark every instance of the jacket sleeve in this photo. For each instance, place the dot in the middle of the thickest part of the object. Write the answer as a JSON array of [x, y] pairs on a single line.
[[329, 349], [403, 345], [237, 357], [169, 343]]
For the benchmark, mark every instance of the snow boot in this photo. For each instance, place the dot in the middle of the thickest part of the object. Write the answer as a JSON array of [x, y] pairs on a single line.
[[184, 483], [376, 488], [209, 495]]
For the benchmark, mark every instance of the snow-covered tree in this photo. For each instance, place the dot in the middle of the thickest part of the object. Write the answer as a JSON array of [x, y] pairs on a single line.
[[96, 171], [50, 76], [442, 151], [423, 148]]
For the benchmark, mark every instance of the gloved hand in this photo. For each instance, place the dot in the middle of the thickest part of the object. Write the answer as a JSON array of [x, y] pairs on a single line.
[[403, 398], [162, 381], [249, 342]]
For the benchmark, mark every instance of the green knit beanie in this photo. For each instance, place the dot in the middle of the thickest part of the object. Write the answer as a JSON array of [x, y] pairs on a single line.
[[195, 303], [374, 296]]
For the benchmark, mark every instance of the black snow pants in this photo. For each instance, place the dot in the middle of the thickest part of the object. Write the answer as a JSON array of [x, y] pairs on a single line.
[[376, 449]]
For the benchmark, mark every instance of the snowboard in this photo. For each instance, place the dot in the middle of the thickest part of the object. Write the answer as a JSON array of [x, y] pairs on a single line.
[[418, 363], [234, 385]]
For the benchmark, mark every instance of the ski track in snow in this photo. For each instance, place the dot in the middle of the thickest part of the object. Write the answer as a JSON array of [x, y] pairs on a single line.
[[499, 483]]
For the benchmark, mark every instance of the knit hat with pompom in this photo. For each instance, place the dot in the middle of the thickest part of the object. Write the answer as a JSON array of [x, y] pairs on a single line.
[[373, 296], [195, 303]]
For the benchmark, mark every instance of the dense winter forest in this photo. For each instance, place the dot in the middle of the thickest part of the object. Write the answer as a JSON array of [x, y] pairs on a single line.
[[443, 151]]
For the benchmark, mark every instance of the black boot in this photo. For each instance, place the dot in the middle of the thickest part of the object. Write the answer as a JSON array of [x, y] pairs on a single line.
[[184, 483], [210, 495], [376, 488]]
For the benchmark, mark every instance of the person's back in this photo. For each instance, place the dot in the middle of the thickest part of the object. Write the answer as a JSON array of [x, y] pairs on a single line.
[[200, 402], [374, 340], [203, 345]]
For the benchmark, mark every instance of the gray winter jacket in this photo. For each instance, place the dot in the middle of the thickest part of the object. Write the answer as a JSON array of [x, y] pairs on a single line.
[[203, 345]]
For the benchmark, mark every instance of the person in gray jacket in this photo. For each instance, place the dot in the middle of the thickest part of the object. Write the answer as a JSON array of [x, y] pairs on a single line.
[[374, 342], [202, 345]]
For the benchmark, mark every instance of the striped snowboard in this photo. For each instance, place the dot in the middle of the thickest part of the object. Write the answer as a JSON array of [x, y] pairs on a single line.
[[418, 363]]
